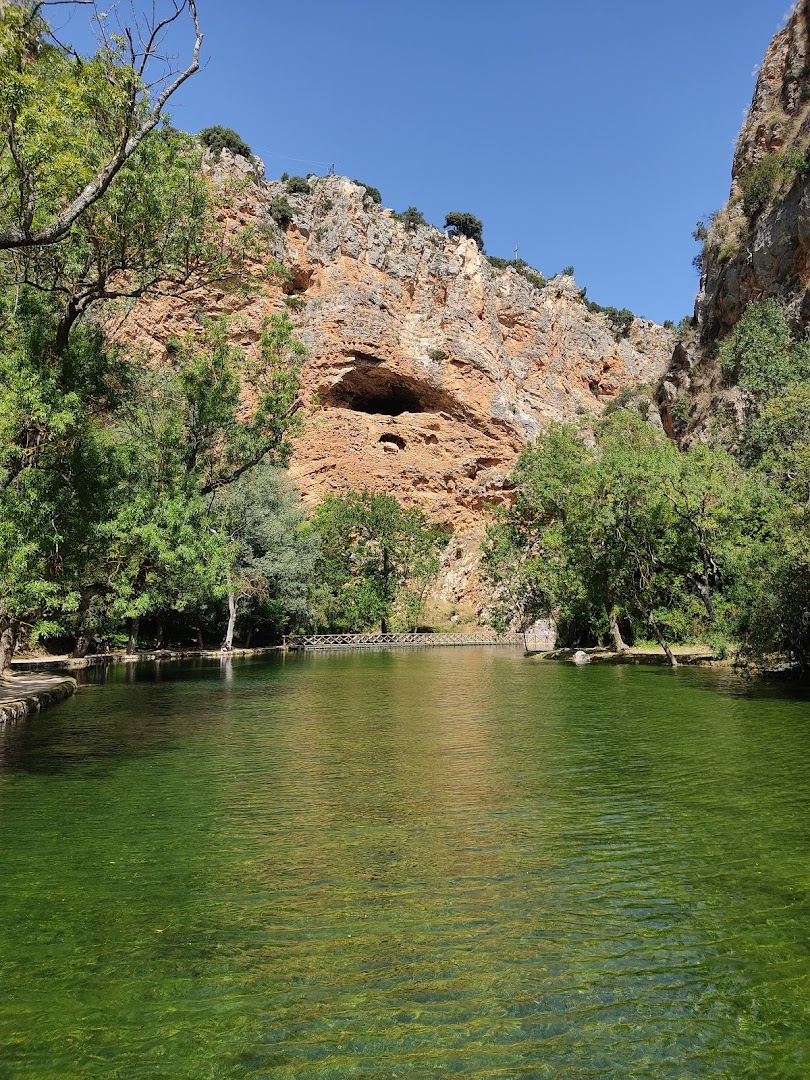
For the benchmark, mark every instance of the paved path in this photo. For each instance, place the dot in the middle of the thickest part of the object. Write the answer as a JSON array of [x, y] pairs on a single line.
[[21, 695]]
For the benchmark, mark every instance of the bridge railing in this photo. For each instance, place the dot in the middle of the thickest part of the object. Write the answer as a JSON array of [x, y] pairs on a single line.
[[365, 641]]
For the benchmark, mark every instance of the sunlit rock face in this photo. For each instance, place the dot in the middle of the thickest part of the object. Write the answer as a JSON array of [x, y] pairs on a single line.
[[428, 369], [750, 257], [768, 256]]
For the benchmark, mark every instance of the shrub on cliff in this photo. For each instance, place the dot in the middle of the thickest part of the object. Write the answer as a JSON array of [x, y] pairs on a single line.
[[411, 218], [761, 182], [217, 139], [761, 355], [372, 192], [281, 212], [297, 185], [620, 319], [464, 224]]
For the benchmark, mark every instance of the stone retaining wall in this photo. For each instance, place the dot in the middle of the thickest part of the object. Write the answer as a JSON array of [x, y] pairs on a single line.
[[35, 699]]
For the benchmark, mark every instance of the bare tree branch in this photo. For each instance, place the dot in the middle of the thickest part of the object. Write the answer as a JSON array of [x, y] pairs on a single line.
[[25, 236]]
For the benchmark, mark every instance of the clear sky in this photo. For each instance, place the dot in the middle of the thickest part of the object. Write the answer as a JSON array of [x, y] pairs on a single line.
[[592, 134]]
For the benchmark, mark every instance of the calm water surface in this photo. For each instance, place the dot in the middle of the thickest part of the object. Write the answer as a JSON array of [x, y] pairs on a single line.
[[416, 864]]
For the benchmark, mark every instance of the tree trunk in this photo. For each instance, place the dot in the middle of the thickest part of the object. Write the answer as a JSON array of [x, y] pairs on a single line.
[[83, 640], [248, 636], [132, 644], [200, 643], [160, 632], [659, 637], [705, 594], [8, 643], [619, 644], [227, 644]]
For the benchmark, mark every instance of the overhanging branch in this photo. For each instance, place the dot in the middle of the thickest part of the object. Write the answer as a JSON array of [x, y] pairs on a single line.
[[25, 236]]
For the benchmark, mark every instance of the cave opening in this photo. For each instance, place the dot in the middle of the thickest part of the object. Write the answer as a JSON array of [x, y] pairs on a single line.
[[381, 392]]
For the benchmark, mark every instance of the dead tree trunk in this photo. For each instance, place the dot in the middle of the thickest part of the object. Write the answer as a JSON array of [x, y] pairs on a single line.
[[227, 644]]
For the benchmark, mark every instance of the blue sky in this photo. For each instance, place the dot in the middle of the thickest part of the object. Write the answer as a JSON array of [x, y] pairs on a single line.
[[592, 134]]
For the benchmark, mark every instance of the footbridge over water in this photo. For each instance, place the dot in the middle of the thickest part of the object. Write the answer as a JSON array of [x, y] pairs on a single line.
[[309, 642]]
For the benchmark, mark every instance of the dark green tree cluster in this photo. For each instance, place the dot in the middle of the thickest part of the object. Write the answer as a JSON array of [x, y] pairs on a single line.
[[632, 536], [464, 224], [375, 563], [771, 365], [297, 185], [411, 218], [629, 537], [216, 139], [111, 464], [371, 192]]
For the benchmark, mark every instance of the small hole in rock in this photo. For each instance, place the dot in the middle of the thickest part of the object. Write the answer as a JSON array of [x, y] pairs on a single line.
[[392, 442]]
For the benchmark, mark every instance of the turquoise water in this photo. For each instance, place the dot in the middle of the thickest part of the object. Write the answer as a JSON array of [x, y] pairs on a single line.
[[407, 864]]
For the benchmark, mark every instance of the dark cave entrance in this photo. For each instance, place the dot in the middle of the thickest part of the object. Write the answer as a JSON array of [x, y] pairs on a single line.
[[381, 392], [389, 401]]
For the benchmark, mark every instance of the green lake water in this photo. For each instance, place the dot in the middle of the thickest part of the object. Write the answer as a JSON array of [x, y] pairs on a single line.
[[407, 864]]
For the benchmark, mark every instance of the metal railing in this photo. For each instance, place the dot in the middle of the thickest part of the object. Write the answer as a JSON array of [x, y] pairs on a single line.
[[366, 641]]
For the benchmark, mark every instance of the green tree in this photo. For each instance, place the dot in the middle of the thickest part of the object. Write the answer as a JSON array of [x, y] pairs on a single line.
[[272, 553], [775, 604], [185, 431], [463, 224], [70, 125], [371, 550], [371, 192], [216, 139], [631, 528], [412, 218], [107, 467], [761, 354]]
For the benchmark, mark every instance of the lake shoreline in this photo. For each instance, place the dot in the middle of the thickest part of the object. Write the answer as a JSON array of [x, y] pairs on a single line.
[[22, 696], [75, 663]]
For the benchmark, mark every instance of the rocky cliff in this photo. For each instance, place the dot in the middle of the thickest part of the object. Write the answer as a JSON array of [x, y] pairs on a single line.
[[759, 243], [428, 368]]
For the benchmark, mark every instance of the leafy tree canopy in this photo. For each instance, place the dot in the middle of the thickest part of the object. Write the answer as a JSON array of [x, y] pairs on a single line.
[[216, 139], [463, 224], [373, 555], [630, 525]]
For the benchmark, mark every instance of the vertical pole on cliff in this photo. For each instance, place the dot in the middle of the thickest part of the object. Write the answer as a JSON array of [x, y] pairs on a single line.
[[517, 253]]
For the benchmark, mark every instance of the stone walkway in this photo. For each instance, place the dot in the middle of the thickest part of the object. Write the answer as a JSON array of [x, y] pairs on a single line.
[[21, 695]]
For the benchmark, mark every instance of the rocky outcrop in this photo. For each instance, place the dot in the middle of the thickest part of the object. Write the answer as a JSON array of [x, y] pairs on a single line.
[[779, 115], [759, 245], [428, 368]]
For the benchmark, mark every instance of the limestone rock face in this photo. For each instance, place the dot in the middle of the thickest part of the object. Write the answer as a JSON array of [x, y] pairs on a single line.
[[428, 369], [746, 261], [779, 109]]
